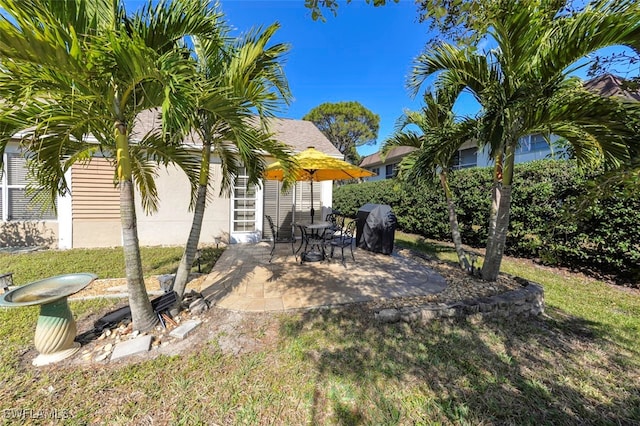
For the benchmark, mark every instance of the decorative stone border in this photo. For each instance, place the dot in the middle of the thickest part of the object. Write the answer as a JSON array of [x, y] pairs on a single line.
[[523, 302]]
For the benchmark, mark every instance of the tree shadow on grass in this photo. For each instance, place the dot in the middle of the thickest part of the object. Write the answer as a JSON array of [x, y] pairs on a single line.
[[423, 245], [169, 264], [516, 371]]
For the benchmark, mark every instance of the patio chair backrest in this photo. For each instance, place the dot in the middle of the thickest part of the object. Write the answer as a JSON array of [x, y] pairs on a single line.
[[349, 232], [274, 231], [336, 220]]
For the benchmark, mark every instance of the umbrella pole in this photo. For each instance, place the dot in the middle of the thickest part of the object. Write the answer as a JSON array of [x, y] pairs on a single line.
[[312, 209], [311, 173]]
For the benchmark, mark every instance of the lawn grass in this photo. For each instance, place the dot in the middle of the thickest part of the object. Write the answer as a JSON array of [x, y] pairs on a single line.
[[104, 262], [578, 364]]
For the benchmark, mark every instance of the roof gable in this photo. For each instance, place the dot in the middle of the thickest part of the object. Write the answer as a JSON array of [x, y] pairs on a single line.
[[610, 85], [394, 155]]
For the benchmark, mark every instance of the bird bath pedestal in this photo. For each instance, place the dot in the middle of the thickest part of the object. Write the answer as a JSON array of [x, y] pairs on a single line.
[[56, 328]]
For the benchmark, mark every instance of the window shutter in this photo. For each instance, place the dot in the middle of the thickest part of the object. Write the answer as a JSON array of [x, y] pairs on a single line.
[[303, 201], [279, 206], [16, 170]]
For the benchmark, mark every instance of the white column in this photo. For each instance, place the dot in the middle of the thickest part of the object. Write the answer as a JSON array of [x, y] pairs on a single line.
[[326, 197], [259, 211]]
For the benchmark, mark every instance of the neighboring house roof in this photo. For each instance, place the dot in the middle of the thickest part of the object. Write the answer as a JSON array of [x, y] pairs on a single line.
[[393, 156], [298, 134], [610, 85]]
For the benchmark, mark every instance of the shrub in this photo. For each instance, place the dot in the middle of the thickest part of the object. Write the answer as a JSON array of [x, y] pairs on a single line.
[[604, 237], [546, 221]]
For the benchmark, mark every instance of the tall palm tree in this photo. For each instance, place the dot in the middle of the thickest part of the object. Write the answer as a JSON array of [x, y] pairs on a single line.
[[525, 86], [253, 74], [76, 74], [440, 137]]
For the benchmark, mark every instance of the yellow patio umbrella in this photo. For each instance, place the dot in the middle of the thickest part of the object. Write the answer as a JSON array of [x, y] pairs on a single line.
[[316, 166]]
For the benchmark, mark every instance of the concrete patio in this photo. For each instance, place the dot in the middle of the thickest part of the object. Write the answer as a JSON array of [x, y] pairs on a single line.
[[243, 279]]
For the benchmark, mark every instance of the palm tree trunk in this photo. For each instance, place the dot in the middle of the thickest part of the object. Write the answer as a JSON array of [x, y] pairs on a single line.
[[191, 248], [495, 251], [453, 223], [496, 190], [142, 314]]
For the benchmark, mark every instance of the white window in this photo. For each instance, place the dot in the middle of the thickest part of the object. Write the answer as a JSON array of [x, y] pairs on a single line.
[[15, 203], [390, 171], [465, 158], [244, 205]]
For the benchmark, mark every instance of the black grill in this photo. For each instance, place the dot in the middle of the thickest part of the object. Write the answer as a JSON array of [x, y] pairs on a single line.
[[376, 228]]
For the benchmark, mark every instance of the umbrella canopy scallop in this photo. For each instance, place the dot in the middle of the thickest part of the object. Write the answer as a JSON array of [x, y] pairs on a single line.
[[317, 166]]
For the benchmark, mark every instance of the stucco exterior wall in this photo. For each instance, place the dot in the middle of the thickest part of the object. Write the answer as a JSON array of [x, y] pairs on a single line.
[[96, 217], [29, 234], [171, 224], [96, 233]]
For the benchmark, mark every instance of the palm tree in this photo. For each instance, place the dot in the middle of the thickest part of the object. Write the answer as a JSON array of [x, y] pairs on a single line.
[[524, 86], [440, 138], [75, 75], [255, 81]]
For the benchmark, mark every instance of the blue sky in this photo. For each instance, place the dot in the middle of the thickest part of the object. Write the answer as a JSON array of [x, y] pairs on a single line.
[[364, 54]]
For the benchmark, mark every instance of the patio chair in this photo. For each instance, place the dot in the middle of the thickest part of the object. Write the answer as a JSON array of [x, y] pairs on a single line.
[[337, 221], [277, 238], [347, 238]]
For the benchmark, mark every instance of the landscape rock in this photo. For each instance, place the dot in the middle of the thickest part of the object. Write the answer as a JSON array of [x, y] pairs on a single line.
[[198, 306], [388, 315], [520, 302], [131, 347], [185, 329], [102, 357]]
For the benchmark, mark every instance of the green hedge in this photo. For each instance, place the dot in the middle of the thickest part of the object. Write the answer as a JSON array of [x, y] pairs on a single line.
[[545, 221]]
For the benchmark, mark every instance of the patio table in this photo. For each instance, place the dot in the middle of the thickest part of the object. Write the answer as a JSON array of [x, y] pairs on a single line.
[[313, 241]]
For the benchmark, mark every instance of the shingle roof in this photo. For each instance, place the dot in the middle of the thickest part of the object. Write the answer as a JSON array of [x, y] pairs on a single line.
[[298, 134], [610, 85], [396, 153], [302, 134]]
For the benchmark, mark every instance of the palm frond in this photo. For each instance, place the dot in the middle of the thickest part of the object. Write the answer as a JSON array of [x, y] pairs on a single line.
[[153, 151], [166, 24], [599, 25], [255, 71]]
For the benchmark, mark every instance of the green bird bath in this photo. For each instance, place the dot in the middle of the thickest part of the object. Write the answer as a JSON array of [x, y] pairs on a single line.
[[56, 328]]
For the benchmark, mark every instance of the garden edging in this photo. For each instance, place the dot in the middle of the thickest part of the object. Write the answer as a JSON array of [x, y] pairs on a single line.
[[522, 302]]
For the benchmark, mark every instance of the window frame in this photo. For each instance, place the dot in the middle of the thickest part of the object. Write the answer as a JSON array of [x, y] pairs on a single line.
[[7, 188], [457, 163], [388, 175], [248, 221]]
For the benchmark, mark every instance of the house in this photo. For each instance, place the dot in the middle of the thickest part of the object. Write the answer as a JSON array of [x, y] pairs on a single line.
[[532, 147], [90, 215], [535, 146], [385, 168]]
